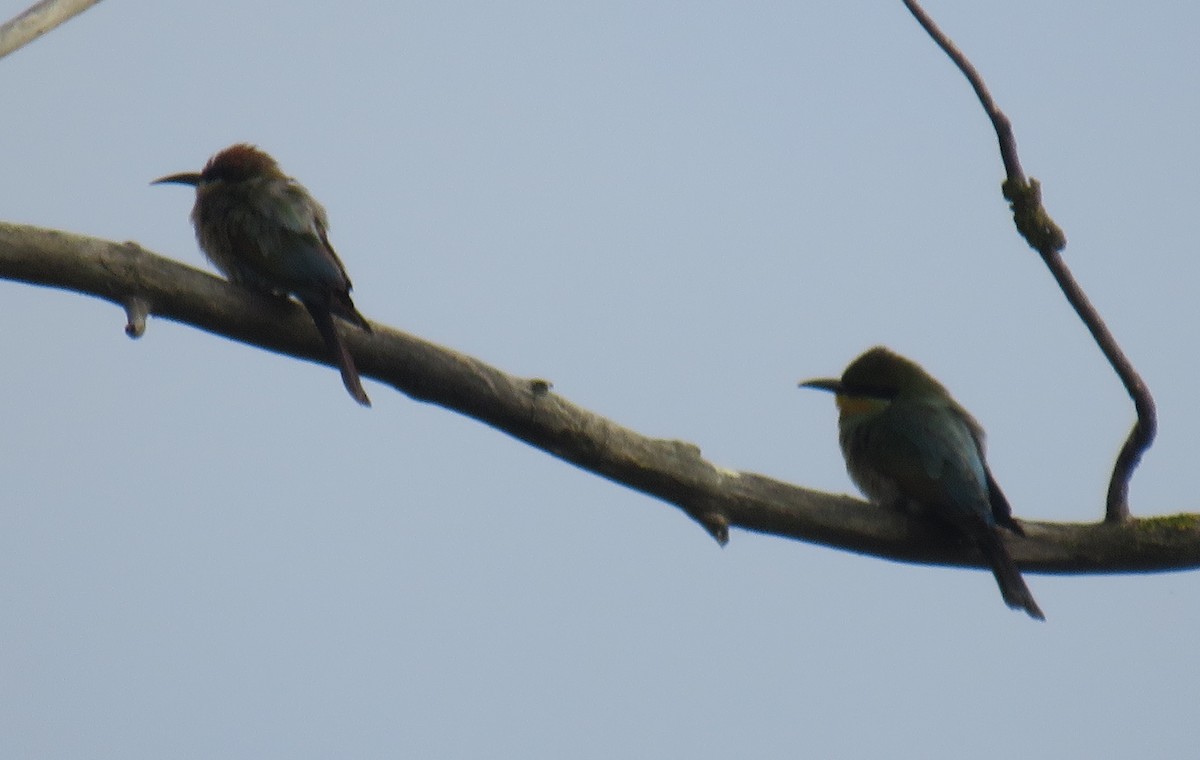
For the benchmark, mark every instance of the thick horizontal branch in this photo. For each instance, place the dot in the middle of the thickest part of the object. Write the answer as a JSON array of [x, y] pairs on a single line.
[[527, 409]]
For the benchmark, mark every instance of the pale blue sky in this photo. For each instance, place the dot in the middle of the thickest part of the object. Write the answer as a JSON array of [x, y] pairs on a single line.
[[673, 211]]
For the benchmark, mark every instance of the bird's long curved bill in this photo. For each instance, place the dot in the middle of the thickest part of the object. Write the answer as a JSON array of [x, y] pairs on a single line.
[[833, 385], [184, 178]]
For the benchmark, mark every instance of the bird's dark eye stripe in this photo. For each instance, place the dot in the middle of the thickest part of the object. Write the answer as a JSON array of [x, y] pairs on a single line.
[[868, 391], [226, 174]]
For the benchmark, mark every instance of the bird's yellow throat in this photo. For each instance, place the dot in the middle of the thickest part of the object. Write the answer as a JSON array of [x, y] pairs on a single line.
[[856, 405]]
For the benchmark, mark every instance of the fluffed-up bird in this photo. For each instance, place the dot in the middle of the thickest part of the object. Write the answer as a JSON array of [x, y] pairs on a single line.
[[263, 230], [908, 444]]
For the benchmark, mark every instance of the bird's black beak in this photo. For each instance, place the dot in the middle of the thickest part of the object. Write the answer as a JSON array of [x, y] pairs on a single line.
[[833, 385], [186, 178]]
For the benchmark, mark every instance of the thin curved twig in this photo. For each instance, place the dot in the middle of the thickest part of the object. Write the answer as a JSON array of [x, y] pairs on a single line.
[[1045, 237], [37, 20]]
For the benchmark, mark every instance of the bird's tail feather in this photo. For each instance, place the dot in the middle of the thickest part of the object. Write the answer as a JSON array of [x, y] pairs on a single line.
[[342, 306], [323, 319], [1008, 577]]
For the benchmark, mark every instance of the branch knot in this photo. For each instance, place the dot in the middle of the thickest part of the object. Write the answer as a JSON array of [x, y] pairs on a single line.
[[1032, 219]]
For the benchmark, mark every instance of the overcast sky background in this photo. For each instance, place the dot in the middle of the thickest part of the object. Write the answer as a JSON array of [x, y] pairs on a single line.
[[674, 211]]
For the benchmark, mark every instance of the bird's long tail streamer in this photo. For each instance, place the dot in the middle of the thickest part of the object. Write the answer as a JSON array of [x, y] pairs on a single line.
[[1008, 577], [324, 321]]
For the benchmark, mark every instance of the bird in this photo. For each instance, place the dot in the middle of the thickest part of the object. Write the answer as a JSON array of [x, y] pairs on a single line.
[[909, 445], [263, 230]]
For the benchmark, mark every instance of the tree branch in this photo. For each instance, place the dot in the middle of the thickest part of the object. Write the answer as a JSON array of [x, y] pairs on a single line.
[[1045, 237], [527, 409], [37, 20]]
